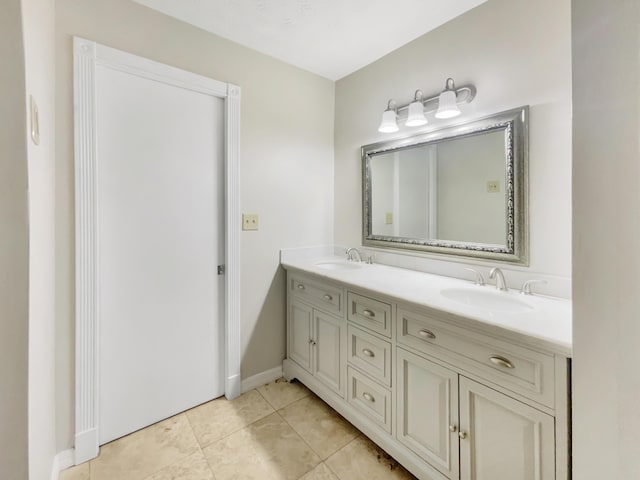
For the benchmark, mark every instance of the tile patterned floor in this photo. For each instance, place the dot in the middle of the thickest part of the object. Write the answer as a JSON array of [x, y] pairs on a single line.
[[280, 431]]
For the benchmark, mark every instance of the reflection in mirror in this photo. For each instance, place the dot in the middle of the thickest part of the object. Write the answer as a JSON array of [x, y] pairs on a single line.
[[456, 191]]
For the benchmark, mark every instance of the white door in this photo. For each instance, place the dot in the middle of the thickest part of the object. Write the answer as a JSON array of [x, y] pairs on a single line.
[[160, 239], [503, 438]]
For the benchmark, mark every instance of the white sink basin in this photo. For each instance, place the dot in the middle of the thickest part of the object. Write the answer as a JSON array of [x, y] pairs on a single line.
[[493, 301], [338, 265]]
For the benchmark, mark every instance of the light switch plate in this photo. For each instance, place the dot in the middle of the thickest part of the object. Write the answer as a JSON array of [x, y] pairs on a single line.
[[249, 221], [493, 186]]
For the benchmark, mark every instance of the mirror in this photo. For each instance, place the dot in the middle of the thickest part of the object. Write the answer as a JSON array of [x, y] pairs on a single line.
[[460, 190]]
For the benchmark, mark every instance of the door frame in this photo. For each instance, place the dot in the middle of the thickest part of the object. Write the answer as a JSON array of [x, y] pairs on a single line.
[[87, 55]]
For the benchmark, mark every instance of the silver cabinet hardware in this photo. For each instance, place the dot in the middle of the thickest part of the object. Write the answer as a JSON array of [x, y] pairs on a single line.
[[368, 313], [368, 397], [462, 435], [526, 286], [327, 297], [453, 428], [313, 343], [501, 361], [427, 334], [479, 278], [368, 352], [301, 287]]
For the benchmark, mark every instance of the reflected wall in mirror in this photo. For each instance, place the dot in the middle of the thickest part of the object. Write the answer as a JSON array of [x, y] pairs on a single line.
[[459, 190]]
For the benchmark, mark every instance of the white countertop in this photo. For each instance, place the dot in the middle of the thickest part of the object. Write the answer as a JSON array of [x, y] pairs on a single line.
[[547, 324]]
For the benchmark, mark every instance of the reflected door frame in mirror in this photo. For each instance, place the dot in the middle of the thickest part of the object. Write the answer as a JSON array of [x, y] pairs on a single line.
[[515, 249]]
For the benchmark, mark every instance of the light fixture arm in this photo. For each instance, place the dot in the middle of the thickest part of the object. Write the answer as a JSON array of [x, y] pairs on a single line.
[[464, 94], [444, 104]]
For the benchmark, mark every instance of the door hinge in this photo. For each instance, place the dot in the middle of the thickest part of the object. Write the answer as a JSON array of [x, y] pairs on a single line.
[[220, 269]]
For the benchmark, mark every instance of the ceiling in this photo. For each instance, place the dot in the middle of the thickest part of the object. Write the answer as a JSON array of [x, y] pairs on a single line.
[[331, 38]]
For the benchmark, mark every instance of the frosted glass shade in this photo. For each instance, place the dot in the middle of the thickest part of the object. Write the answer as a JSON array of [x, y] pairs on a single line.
[[388, 124], [416, 115], [447, 106]]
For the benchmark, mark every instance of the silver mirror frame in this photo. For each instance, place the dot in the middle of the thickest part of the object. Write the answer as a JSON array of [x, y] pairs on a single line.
[[516, 249]]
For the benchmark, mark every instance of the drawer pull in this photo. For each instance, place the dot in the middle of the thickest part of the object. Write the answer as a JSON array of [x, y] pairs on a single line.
[[427, 334], [368, 313], [368, 353], [301, 287], [453, 428], [327, 297], [462, 435], [501, 361], [368, 397]]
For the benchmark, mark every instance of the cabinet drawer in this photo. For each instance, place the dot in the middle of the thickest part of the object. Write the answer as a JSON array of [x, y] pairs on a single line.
[[370, 354], [369, 313], [324, 296], [516, 368], [369, 398]]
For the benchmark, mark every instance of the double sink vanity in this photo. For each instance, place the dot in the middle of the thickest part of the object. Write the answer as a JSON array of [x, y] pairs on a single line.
[[453, 379], [456, 379]]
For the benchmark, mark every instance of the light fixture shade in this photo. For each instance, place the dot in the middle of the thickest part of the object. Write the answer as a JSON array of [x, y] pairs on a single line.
[[388, 124], [447, 106], [416, 115]]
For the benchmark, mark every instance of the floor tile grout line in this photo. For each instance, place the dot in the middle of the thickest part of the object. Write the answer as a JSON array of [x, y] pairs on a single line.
[[304, 441], [234, 431], [359, 433], [307, 393], [335, 453]]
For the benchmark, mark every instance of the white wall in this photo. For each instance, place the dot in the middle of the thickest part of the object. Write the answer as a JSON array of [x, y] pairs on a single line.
[[14, 249], [606, 239], [516, 52], [286, 166], [38, 22]]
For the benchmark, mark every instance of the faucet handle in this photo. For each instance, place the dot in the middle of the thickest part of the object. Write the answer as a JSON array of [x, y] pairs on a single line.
[[526, 286], [370, 258], [479, 278]]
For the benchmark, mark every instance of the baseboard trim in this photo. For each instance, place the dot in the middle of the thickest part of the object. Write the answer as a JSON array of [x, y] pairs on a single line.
[[261, 378], [62, 461]]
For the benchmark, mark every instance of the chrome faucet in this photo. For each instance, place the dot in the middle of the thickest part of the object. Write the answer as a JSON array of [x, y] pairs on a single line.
[[496, 273], [350, 254]]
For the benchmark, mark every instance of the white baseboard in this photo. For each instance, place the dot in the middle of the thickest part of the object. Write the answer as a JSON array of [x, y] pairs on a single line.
[[262, 378], [62, 461]]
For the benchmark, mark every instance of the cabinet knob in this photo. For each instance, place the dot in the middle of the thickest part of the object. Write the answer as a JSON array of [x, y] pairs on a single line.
[[462, 435], [368, 397], [368, 352], [327, 297], [501, 361], [368, 313], [300, 286], [427, 334], [311, 342], [453, 428]]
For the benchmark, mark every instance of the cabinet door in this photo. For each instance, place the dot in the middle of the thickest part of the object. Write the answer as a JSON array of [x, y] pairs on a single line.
[[502, 438], [427, 408], [327, 357], [300, 340]]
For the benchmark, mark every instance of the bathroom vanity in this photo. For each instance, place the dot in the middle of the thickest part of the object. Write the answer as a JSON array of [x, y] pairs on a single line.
[[454, 380]]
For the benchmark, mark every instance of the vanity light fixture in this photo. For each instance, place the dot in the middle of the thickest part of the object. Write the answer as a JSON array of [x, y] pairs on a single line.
[[445, 105], [415, 115], [389, 116], [447, 101]]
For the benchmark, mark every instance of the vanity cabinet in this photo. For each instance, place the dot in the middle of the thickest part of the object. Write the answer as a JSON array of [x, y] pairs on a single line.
[[448, 398], [315, 337]]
